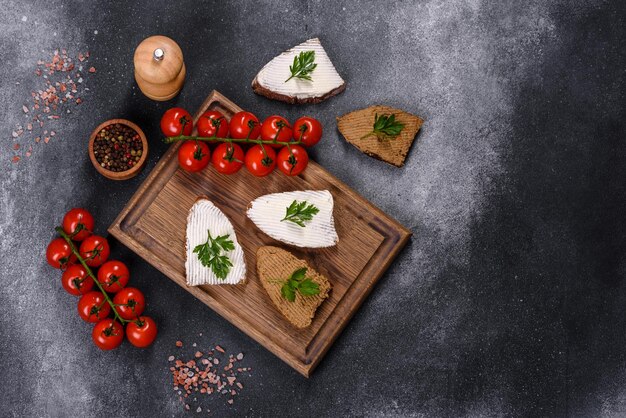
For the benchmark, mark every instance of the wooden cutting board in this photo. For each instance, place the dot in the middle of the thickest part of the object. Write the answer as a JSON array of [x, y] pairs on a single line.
[[153, 225]]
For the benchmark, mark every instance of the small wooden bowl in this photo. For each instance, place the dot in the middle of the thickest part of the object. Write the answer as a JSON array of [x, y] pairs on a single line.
[[119, 175]]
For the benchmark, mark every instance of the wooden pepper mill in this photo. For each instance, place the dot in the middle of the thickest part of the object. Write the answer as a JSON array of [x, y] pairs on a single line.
[[159, 67]]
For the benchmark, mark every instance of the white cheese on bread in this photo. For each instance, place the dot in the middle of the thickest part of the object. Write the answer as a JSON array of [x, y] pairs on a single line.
[[268, 211], [325, 80], [204, 216]]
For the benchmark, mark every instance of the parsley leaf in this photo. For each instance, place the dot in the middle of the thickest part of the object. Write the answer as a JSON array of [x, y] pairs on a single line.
[[297, 282], [303, 66], [210, 254], [288, 292], [308, 287], [385, 127], [300, 212]]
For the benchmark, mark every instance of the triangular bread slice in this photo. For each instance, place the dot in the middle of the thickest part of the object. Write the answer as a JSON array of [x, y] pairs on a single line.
[[267, 213], [204, 216], [275, 265], [355, 125], [325, 80]]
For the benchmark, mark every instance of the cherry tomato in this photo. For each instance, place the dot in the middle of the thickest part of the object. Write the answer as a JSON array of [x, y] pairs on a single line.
[[94, 250], [276, 127], [113, 276], [260, 163], [143, 333], [78, 224], [130, 301], [307, 130], [194, 156], [107, 334], [244, 123], [176, 121], [59, 254], [227, 158], [212, 123], [92, 307], [76, 281], [294, 162]]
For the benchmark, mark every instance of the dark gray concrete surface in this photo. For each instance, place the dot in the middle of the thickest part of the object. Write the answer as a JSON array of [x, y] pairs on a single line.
[[509, 299]]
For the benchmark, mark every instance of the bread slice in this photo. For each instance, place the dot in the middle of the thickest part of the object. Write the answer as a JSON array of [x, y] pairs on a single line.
[[204, 216], [355, 125], [275, 265], [267, 213], [325, 81]]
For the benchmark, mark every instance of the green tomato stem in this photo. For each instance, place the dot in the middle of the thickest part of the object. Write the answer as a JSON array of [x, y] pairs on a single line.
[[172, 139]]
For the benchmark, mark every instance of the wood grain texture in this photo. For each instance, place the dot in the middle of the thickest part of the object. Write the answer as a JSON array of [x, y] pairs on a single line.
[[354, 127], [153, 225]]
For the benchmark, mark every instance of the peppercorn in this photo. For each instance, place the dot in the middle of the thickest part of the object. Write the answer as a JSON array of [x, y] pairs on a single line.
[[117, 147]]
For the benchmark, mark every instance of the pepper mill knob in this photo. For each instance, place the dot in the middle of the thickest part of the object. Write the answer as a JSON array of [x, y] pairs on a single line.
[[159, 67]]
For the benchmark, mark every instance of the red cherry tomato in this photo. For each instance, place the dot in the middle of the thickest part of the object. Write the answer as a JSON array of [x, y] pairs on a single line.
[[107, 334], [307, 130], [244, 123], [59, 254], [194, 156], [260, 163], [94, 250], [130, 303], [227, 158], [78, 224], [276, 127], [294, 162], [76, 281], [143, 333], [93, 307], [212, 123], [113, 276], [176, 121]]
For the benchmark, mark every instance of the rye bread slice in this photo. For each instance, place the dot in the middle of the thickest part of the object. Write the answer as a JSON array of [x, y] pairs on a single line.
[[274, 265], [326, 81], [354, 125]]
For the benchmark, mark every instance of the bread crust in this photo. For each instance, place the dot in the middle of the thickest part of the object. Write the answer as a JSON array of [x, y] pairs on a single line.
[[274, 265], [263, 91], [355, 125]]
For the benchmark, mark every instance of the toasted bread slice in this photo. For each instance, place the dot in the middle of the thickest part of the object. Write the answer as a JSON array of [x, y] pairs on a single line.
[[274, 266], [355, 125]]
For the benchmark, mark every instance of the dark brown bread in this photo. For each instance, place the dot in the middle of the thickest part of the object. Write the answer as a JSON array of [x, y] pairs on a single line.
[[274, 266], [260, 90], [354, 125]]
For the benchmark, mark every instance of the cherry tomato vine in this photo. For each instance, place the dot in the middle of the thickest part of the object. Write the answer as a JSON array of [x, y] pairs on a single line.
[[275, 132], [78, 279]]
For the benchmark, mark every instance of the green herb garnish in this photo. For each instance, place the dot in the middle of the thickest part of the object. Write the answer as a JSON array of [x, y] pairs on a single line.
[[303, 66], [385, 127], [210, 254], [299, 283], [300, 212]]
